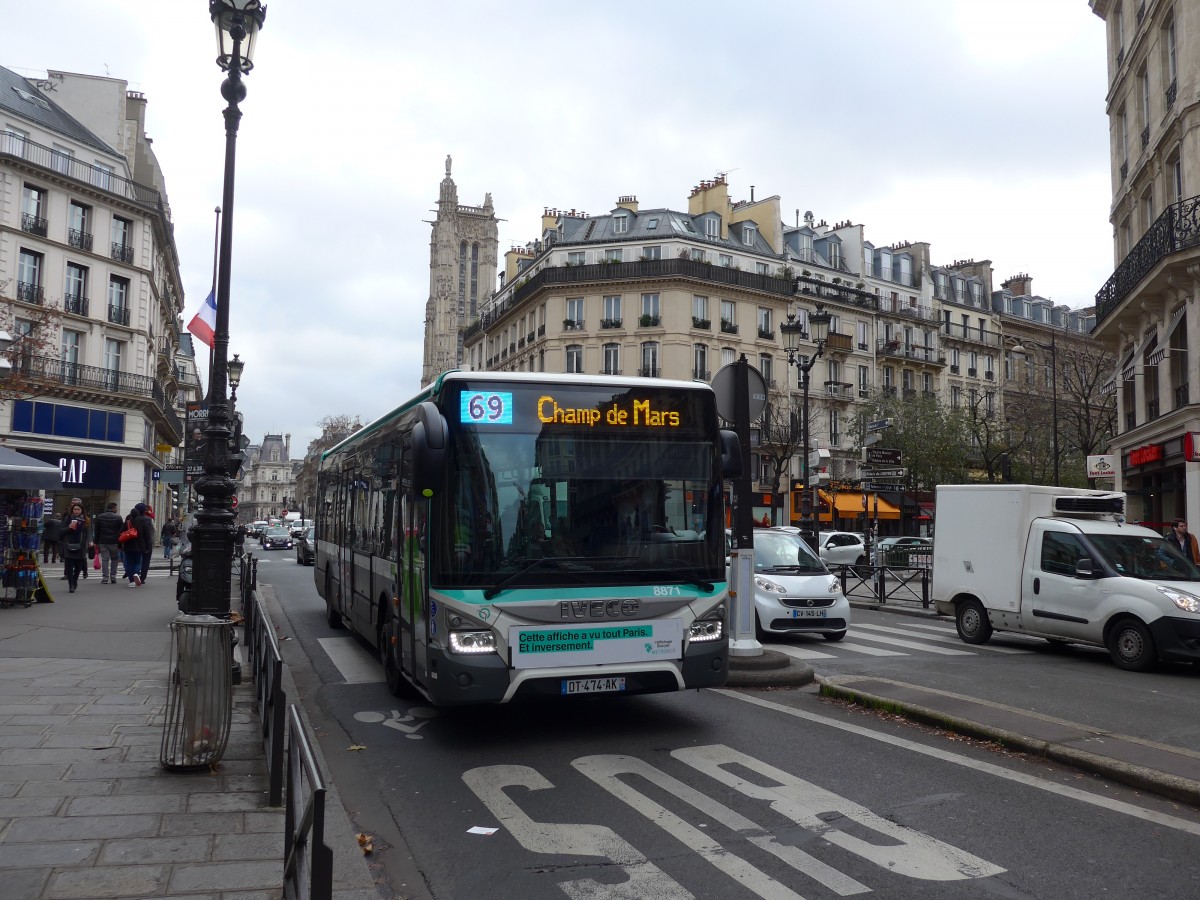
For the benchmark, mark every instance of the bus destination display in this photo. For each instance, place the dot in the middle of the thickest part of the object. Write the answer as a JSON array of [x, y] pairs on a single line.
[[496, 408]]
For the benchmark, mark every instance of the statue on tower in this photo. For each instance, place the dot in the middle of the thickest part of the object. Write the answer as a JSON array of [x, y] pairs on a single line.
[[447, 165]]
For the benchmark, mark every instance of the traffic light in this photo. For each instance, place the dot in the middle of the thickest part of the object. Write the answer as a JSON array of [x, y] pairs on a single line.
[[238, 443]]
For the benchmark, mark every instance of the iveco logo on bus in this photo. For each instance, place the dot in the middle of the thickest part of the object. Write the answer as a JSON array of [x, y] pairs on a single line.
[[597, 609]]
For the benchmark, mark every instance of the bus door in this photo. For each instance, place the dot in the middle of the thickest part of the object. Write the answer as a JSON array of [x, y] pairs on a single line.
[[359, 595]]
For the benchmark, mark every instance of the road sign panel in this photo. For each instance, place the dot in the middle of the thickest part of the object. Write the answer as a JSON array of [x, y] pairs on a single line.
[[899, 472], [881, 456], [879, 424], [880, 486]]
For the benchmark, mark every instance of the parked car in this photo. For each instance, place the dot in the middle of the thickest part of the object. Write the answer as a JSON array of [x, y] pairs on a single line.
[[255, 529], [306, 547], [794, 591], [277, 538], [842, 548]]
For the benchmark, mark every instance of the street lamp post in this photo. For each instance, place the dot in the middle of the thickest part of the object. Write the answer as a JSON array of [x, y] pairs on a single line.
[[237, 25], [818, 326], [1052, 347]]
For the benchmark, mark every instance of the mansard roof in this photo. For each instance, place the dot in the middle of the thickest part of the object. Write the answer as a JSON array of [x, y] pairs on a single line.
[[21, 98]]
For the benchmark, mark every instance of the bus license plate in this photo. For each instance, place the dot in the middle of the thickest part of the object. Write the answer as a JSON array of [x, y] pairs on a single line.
[[592, 685], [808, 613]]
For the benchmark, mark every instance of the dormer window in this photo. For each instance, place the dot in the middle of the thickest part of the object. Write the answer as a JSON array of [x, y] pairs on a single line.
[[712, 228], [835, 255], [652, 224], [749, 233], [620, 224]]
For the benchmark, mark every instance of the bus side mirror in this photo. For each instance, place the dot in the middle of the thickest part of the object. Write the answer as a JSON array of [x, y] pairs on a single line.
[[731, 454], [430, 441]]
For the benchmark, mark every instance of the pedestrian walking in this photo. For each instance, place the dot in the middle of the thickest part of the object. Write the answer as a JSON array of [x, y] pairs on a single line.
[[137, 548], [51, 532], [170, 531], [149, 554], [76, 545], [106, 532]]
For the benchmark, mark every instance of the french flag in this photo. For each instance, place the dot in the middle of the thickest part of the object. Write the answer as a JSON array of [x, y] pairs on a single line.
[[204, 322]]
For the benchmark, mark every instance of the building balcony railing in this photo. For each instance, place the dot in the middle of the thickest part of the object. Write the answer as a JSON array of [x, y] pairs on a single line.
[[898, 307], [1181, 395], [572, 325], [117, 314], [122, 253], [1145, 137], [610, 323], [81, 240], [529, 338], [1152, 410], [765, 334], [836, 342], [30, 293], [704, 324], [728, 327], [807, 286], [75, 303], [915, 352], [16, 145], [648, 321], [839, 390], [1172, 90], [1124, 171], [54, 371], [648, 371], [34, 224], [701, 374], [1178, 228], [968, 333], [610, 371]]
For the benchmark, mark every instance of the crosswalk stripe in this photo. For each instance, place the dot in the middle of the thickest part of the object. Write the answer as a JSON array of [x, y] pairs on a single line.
[[937, 637], [800, 652], [868, 651], [911, 645]]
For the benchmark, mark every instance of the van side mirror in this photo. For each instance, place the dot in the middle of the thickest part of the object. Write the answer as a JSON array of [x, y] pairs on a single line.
[[1085, 568]]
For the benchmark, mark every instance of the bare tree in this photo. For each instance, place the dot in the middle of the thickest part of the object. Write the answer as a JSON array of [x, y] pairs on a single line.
[[1087, 415], [35, 330], [781, 430], [993, 438]]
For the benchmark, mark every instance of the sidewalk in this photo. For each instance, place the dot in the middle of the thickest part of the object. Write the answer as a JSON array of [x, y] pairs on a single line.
[[86, 811]]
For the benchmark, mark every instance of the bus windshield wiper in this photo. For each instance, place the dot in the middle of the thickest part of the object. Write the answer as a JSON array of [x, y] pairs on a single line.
[[572, 563], [688, 578]]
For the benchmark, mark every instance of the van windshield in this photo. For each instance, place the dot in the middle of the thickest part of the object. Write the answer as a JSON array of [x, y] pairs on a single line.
[[1151, 558]]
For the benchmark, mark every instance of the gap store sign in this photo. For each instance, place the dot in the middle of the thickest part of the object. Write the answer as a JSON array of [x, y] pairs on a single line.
[[83, 470]]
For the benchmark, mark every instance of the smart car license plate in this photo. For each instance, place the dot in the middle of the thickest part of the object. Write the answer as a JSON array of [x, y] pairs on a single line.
[[592, 685], [808, 613]]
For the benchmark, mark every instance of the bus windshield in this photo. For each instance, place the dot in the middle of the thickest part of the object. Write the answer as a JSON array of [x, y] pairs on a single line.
[[586, 498]]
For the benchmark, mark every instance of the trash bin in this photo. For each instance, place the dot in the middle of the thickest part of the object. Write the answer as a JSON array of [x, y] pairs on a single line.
[[200, 693]]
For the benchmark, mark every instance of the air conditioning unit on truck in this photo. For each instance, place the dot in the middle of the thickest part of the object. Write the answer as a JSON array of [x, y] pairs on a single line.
[[1062, 564]]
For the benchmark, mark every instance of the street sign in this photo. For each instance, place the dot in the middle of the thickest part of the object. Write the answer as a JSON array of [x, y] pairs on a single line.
[[881, 456], [873, 438], [881, 486], [879, 425], [722, 385], [899, 472]]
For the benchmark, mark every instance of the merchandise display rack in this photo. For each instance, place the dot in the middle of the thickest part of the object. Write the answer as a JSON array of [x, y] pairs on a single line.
[[20, 538]]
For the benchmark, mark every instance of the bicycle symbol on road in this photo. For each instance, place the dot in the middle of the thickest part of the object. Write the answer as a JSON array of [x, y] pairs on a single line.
[[420, 715]]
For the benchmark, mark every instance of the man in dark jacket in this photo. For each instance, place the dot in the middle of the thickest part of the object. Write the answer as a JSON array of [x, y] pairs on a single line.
[[108, 527], [51, 530]]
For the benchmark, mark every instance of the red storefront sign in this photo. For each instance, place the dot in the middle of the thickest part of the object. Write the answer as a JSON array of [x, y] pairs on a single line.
[[1147, 454]]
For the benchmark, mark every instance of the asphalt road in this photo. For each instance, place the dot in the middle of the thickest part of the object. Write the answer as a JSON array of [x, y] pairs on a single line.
[[730, 794]]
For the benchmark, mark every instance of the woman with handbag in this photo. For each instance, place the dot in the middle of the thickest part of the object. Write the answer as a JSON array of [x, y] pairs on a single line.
[[136, 540], [76, 544]]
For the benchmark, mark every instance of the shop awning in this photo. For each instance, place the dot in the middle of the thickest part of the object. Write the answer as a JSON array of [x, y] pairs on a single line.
[[19, 472], [1164, 346], [850, 505]]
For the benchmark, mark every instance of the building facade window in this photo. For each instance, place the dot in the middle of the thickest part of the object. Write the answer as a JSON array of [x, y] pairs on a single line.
[[621, 224], [700, 362], [650, 358], [576, 257], [79, 225], [75, 290], [574, 359], [612, 359], [652, 252], [728, 313], [122, 239], [614, 255], [575, 312], [612, 307], [650, 306]]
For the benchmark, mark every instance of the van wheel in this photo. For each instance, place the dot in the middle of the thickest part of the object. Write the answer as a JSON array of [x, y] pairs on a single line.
[[972, 622], [1131, 646]]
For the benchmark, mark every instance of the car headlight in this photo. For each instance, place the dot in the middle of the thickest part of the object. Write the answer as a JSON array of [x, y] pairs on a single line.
[[835, 586], [1185, 601], [768, 585]]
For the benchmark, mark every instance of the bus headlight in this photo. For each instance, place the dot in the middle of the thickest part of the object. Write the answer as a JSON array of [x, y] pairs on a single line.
[[472, 642], [709, 628]]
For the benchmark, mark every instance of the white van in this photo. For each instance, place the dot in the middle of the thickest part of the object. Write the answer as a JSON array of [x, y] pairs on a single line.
[[1062, 564]]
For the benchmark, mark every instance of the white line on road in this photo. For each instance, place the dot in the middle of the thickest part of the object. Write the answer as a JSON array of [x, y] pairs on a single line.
[[936, 637], [356, 665], [911, 645], [976, 765], [800, 652]]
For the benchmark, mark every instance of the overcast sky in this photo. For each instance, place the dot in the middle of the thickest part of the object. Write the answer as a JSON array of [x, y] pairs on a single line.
[[978, 127]]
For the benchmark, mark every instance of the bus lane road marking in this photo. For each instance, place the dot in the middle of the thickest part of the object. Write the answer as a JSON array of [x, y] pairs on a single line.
[[408, 725], [355, 665], [900, 850], [975, 765]]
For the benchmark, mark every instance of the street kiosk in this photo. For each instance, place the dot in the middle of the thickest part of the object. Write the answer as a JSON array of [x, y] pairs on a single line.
[[22, 479]]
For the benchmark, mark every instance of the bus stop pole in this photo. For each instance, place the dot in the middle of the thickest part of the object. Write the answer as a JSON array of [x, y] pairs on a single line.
[[741, 575]]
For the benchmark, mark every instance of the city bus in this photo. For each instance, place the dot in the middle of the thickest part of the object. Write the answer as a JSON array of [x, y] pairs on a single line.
[[511, 535]]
